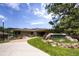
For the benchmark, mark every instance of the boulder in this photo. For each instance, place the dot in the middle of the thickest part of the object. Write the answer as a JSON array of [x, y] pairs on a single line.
[[65, 46], [53, 44], [48, 36], [71, 39], [49, 41], [58, 44], [78, 46], [61, 40]]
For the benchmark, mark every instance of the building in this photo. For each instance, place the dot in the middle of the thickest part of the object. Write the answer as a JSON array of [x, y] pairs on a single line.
[[30, 32], [3, 35]]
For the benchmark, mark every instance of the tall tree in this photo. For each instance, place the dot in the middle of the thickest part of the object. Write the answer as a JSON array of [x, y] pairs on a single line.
[[69, 17]]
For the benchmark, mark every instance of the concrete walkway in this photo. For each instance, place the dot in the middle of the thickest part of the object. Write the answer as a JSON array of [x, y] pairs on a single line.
[[20, 47]]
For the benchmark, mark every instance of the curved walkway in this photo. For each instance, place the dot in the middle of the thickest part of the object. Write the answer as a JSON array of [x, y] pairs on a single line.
[[20, 47]]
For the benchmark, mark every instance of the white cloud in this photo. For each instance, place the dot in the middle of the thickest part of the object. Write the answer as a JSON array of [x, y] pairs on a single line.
[[2, 18], [42, 12], [39, 12], [48, 16], [15, 6], [37, 23]]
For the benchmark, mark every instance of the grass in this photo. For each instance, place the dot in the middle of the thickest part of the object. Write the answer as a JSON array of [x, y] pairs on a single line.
[[53, 51]]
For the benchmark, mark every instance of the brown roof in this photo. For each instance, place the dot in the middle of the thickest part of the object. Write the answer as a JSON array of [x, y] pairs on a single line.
[[32, 30]]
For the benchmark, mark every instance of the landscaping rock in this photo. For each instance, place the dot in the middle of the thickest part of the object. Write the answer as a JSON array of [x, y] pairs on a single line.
[[50, 41], [71, 39], [75, 47], [44, 41], [61, 40], [58, 44], [78, 46], [53, 44], [48, 36], [61, 44], [65, 46]]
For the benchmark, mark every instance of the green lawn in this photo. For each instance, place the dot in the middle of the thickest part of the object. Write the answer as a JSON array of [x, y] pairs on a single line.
[[53, 51]]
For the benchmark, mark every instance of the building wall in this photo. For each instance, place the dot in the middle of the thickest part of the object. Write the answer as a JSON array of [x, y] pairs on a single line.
[[30, 33]]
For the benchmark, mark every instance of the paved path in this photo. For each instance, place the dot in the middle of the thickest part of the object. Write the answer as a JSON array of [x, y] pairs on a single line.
[[19, 47]]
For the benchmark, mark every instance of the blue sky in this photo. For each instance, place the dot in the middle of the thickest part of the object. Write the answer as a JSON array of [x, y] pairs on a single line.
[[25, 15]]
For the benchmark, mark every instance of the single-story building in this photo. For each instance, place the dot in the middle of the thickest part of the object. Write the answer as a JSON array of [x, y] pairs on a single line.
[[3, 35], [30, 32]]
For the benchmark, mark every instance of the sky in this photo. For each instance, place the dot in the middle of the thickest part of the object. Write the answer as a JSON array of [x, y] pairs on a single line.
[[24, 15]]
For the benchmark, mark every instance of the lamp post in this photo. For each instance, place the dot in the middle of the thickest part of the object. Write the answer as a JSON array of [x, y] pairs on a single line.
[[2, 18], [3, 29]]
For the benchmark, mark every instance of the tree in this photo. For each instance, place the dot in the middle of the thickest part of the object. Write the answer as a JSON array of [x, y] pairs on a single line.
[[69, 17]]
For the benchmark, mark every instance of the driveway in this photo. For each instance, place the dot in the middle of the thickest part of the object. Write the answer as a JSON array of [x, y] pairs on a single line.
[[20, 47]]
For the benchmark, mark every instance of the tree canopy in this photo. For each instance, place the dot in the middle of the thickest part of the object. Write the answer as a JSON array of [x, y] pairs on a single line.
[[69, 17]]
